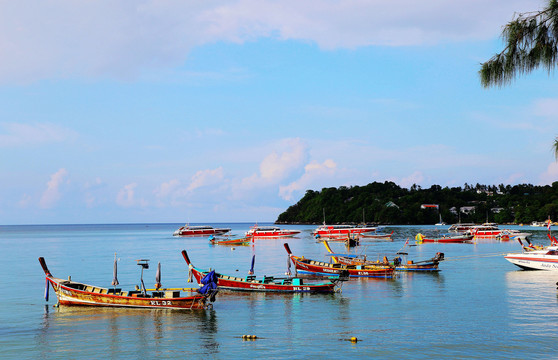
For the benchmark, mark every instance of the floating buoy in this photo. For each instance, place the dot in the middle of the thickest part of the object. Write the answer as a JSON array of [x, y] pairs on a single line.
[[353, 339], [249, 337], [232, 249]]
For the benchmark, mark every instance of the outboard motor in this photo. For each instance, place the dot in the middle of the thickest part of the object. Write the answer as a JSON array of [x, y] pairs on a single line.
[[439, 256]]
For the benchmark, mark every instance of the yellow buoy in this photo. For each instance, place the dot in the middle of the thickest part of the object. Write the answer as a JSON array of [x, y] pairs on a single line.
[[354, 339], [249, 337]]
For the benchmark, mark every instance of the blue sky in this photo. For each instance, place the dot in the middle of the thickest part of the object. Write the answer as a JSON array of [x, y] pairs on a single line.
[[216, 111]]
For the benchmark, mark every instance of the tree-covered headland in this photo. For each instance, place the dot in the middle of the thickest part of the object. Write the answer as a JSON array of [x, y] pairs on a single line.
[[387, 203]]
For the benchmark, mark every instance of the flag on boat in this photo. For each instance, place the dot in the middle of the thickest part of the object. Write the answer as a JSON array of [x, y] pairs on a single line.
[[429, 206]]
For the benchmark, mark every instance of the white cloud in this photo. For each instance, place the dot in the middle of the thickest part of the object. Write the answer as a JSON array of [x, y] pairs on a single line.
[[126, 197], [206, 178], [415, 178], [91, 189], [63, 38], [312, 172], [52, 192], [167, 188], [95, 184], [209, 133], [16, 134], [24, 201], [546, 108], [275, 167], [550, 175]]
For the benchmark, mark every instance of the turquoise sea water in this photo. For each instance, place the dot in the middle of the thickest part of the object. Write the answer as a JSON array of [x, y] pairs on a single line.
[[478, 306]]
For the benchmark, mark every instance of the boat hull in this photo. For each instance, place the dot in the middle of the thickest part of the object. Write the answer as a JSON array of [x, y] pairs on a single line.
[[449, 240], [527, 262], [273, 235], [232, 242], [318, 268], [429, 267], [339, 233], [231, 283], [376, 237], [268, 232], [200, 232], [423, 267]]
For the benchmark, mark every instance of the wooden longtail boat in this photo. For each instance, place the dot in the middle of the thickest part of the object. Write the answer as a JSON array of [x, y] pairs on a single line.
[[377, 237], [307, 266], [430, 265], [267, 284], [239, 242], [71, 292], [445, 239]]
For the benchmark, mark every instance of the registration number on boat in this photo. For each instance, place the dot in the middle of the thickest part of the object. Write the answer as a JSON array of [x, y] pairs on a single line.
[[161, 303], [301, 288]]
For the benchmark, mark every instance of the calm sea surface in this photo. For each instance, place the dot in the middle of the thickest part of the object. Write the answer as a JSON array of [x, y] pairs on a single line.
[[478, 306]]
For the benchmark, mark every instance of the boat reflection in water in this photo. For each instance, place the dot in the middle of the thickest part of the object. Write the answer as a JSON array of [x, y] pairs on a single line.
[[155, 331], [528, 294]]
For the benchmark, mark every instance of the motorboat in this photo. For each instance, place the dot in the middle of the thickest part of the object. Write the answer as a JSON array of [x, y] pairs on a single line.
[[462, 227], [271, 232], [540, 259], [338, 231], [200, 230], [485, 230], [508, 234], [462, 238]]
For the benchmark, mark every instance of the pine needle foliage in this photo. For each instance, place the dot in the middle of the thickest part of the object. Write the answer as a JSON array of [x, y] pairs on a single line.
[[531, 42]]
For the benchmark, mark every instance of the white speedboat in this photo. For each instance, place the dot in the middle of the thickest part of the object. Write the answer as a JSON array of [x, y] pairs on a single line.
[[543, 259], [341, 231], [508, 234]]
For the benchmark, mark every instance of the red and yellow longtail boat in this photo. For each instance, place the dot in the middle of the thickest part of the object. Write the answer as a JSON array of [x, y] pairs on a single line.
[[71, 292], [430, 265]]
